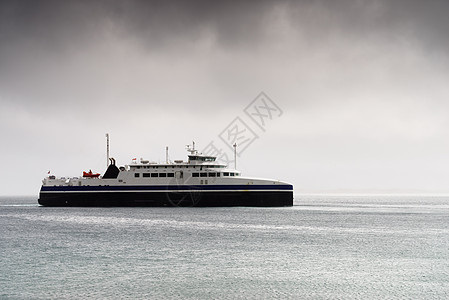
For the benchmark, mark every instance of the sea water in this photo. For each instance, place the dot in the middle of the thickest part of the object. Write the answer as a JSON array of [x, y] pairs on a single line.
[[324, 247]]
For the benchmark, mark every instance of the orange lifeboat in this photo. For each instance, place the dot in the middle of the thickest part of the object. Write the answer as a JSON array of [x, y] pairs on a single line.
[[90, 174]]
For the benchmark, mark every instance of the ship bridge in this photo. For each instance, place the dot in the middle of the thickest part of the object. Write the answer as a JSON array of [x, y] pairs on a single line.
[[198, 159]]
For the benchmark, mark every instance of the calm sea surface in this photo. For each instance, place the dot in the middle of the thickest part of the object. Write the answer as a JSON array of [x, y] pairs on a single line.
[[325, 247]]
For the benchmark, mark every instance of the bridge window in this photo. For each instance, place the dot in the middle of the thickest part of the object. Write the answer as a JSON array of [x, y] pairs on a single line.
[[225, 173]]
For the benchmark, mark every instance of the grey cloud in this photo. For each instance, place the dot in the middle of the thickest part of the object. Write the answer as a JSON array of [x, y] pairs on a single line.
[[240, 23], [55, 23], [64, 51], [161, 25]]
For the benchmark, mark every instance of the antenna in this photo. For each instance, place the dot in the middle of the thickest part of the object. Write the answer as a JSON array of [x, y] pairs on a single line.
[[166, 154], [191, 149], [235, 155], [107, 149]]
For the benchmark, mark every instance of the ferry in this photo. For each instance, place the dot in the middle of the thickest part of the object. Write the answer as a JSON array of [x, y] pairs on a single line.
[[199, 181]]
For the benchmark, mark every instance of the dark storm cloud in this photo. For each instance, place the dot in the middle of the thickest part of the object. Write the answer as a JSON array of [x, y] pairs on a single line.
[[48, 47], [46, 24], [55, 49], [158, 22], [55, 23], [61, 51], [235, 24]]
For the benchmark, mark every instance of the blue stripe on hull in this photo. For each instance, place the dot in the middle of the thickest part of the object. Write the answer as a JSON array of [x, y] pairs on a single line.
[[165, 188]]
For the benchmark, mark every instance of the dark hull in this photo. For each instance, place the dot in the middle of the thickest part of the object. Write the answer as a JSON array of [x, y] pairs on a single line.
[[204, 199]]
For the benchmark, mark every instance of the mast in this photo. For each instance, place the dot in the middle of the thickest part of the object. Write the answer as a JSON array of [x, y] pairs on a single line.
[[235, 155], [107, 149], [166, 154], [191, 149]]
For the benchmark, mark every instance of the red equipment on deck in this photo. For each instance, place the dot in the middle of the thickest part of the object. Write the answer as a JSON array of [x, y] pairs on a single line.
[[90, 174]]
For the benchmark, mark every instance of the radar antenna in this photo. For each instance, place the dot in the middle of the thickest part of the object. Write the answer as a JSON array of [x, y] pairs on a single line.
[[191, 149]]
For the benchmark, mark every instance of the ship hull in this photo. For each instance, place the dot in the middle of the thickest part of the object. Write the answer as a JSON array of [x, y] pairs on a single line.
[[168, 198]]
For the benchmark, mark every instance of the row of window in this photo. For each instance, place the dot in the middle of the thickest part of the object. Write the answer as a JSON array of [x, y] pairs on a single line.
[[213, 174], [202, 158], [210, 174], [230, 174], [202, 174], [155, 174], [178, 166]]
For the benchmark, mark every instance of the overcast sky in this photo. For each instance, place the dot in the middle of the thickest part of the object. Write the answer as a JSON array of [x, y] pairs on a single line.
[[362, 88]]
